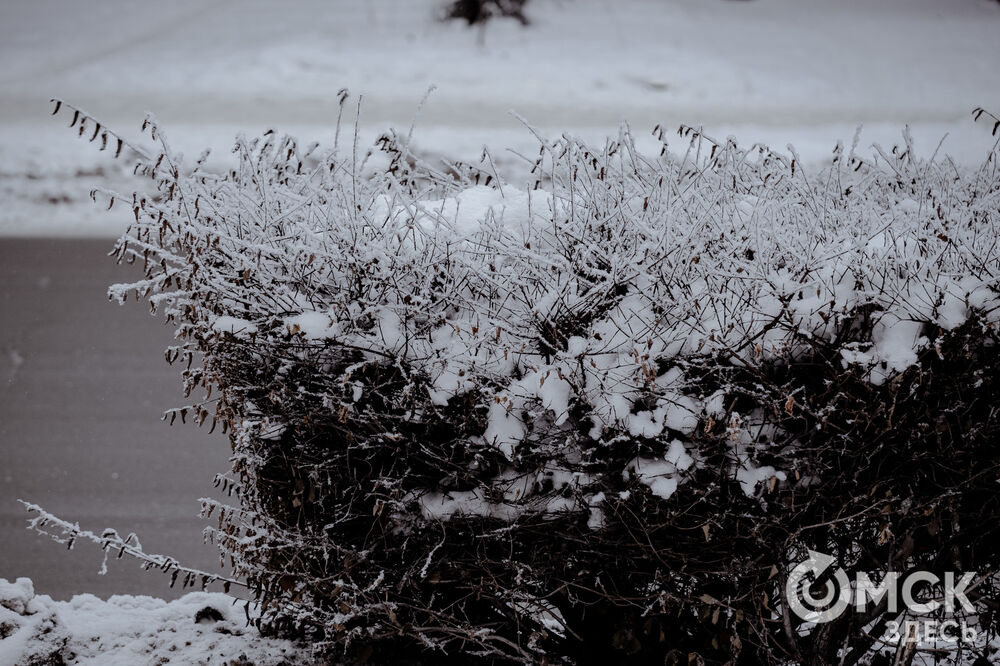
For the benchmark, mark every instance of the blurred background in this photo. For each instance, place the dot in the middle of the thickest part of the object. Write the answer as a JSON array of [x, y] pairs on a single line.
[[83, 382]]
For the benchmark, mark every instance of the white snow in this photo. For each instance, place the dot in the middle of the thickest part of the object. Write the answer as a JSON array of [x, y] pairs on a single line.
[[543, 612], [128, 630], [313, 325], [480, 206], [749, 476], [519, 493], [234, 325], [745, 432], [505, 429], [661, 475], [442, 506], [16, 596], [897, 342]]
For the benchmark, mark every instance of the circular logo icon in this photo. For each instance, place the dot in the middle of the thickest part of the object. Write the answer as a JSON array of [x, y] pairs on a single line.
[[798, 590]]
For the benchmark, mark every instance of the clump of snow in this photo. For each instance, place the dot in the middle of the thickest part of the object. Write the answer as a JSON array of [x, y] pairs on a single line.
[[662, 475], [749, 476], [311, 324], [512, 494], [442, 506], [233, 325], [199, 628], [746, 433], [895, 343], [481, 207], [16, 596], [543, 612]]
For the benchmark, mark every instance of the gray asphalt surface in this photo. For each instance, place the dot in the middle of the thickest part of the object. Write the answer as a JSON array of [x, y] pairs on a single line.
[[83, 384]]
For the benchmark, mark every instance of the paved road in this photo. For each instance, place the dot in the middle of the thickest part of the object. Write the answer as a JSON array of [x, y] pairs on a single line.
[[82, 386]]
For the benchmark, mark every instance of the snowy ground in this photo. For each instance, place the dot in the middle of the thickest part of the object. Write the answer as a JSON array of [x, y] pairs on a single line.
[[198, 628], [805, 71]]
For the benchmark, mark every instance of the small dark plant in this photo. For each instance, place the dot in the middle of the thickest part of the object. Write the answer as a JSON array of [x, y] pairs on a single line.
[[476, 12]]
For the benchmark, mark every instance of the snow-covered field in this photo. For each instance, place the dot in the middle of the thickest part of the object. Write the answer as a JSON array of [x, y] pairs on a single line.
[[777, 71]]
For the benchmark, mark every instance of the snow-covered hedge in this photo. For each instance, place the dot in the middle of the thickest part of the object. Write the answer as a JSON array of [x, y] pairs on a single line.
[[596, 416]]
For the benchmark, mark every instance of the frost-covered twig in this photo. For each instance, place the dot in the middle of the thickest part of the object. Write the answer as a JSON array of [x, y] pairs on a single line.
[[109, 540]]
